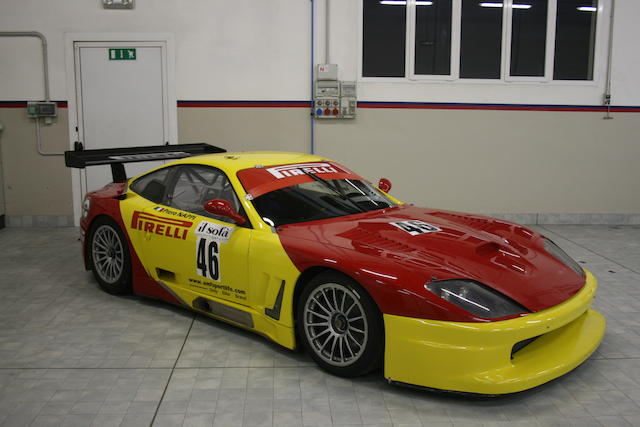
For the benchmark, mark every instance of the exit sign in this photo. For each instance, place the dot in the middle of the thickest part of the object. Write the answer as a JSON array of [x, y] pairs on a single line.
[[122, 54]]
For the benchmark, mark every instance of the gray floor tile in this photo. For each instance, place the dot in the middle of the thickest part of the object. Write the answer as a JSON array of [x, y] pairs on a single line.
[[73, 355]]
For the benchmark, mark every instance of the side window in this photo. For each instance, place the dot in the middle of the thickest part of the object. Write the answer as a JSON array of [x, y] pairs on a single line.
[[194, 185], [152, 186]]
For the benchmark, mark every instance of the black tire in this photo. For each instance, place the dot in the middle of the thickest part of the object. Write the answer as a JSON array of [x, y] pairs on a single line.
[[109, 256], [354, 328]]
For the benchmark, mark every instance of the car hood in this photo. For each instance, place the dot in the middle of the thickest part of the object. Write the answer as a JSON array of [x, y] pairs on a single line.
[[442, 245]]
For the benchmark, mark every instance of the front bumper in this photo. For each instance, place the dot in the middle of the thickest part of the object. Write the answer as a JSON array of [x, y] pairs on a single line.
[[477, 357]]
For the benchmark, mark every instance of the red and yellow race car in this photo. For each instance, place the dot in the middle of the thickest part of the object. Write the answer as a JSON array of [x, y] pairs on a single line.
[[306, 252]]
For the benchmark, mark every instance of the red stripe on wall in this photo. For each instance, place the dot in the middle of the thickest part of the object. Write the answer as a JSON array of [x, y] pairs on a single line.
[[23, 104], [387, 105], [244, 104]]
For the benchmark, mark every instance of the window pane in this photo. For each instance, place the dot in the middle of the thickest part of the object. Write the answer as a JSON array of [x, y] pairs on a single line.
[[528, 37], [481, 39], [575, 40], [433, 37], [383, 38], [152, 186], [195, 185]]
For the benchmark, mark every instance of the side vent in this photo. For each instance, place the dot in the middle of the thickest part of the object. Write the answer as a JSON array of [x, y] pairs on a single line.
[[224, 311], [274, 312], [166, 275]]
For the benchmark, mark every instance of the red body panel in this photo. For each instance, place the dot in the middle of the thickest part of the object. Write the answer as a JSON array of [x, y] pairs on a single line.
[[104, 202], [394, 265]]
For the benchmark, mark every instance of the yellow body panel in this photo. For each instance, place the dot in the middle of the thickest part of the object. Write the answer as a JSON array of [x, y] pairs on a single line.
[[253, 264], [255, 269], [476, 357]]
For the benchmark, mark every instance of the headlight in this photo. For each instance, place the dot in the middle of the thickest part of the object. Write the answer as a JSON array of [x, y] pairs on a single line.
[[475, 298], [86, 205], [561, 255]]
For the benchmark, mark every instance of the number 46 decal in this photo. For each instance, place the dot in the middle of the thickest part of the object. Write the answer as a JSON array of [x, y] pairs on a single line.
[[208, 258]]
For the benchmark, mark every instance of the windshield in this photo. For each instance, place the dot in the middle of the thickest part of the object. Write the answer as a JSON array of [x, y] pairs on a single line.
[[319, 199]]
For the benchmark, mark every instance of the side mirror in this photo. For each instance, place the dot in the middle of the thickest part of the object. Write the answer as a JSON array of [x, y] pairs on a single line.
[[223, 208], [384, 184]]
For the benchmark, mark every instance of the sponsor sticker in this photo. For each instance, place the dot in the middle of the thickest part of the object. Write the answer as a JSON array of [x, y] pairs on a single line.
[[174, 213], [214, 231], [415, 227], [167, 227], [287, 171]]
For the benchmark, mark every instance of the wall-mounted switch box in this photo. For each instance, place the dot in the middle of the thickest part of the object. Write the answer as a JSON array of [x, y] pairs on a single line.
[[42, 109], [327, 72], [333, 99], [348, 100]]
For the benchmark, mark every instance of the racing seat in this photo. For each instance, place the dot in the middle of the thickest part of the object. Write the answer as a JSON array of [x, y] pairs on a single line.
[[154, 191]]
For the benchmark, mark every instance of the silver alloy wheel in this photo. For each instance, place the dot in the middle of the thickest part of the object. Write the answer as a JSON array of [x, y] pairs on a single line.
[[107, 253], [335, 325]]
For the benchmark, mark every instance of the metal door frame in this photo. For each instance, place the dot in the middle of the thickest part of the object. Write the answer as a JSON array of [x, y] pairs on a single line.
[[163, 40]]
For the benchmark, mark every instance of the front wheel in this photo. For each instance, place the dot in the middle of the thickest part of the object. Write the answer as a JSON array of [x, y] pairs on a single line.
[[109, 256], [340, 325]]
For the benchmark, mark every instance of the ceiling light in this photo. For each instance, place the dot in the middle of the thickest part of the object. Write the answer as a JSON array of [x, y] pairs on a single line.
[[587, 8], [515, 6], [404, 2]]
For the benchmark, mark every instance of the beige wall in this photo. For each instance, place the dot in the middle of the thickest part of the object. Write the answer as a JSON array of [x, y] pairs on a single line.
[[475, 161], [243, 129], [34, 184], [2, 208], [495, 161]]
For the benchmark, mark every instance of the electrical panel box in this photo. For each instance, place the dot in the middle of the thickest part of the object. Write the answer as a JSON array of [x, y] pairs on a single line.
[[348, 99], [333, 99], [327, 72], [42, 109], [327, 99]]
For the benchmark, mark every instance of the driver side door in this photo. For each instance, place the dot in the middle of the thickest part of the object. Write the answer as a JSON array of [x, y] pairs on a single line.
[[208, 259]]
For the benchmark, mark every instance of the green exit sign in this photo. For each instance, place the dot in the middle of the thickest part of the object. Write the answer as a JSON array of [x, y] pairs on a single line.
[[126, 54]]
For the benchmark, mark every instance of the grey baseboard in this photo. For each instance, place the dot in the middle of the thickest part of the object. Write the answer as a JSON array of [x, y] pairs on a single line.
[[564, 218], [39, 220]]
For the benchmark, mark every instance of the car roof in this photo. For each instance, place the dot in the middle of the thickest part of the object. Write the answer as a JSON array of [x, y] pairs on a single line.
[[235, 161]]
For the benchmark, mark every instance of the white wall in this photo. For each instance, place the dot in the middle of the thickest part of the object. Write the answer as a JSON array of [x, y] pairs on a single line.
[[518, 161], [259, 50], [240, 49], [626, 55]]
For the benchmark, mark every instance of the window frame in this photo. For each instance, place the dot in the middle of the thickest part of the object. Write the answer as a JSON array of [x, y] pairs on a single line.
[[174, 180], [602, 23], [171, 181], [171, 170]]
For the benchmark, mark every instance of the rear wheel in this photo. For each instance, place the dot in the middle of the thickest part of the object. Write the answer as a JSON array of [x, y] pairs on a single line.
[[340, 325], [109, 256]]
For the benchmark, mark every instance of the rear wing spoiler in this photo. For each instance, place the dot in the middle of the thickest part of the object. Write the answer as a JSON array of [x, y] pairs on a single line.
[[117, 157]]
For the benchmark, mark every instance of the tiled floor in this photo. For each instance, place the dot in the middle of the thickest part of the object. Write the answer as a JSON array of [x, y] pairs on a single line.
[[71, 355]]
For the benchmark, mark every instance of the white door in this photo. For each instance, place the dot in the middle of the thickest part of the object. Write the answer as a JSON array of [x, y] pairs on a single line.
[[121, 91]]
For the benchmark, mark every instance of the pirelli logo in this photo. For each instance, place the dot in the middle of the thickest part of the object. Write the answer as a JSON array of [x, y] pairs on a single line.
[[168, 227], [288, 171]]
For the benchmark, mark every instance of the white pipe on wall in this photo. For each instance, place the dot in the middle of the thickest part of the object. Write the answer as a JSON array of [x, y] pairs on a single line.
[[45, 69], [45, 62], [607, 94], [327, 56]]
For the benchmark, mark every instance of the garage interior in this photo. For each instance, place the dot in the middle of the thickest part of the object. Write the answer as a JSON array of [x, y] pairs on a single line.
[[493, 108]]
